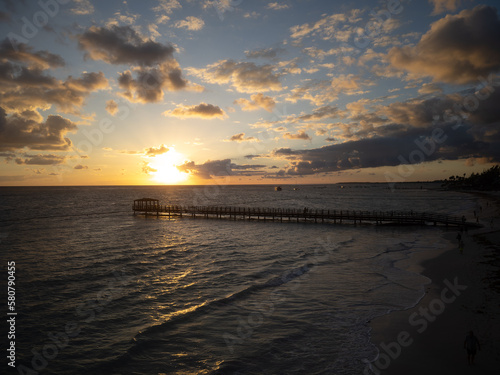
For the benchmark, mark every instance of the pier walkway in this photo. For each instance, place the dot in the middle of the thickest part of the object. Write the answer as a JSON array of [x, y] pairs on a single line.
[[148, 206]]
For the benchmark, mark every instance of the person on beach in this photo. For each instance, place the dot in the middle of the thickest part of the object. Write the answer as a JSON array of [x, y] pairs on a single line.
[[471, 344], [461, 246]]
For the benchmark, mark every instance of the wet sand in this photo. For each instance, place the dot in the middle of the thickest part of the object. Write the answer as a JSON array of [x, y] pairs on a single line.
[[464, 295]]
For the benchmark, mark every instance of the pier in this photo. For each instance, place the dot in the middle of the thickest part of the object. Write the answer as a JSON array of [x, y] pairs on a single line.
[[149, 206]]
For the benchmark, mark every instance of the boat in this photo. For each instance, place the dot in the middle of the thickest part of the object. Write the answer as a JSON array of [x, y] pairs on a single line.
[[278, 188]]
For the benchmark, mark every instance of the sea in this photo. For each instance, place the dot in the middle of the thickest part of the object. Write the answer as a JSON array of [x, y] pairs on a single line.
[[99, 290]]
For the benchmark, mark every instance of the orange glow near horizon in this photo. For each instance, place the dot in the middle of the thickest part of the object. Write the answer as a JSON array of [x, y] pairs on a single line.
[[166, 170]]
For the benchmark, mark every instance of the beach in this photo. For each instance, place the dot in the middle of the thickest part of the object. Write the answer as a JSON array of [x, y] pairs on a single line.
[[463, 295]]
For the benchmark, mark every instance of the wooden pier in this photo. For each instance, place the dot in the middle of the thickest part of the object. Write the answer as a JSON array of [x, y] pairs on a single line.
[[148, 206]]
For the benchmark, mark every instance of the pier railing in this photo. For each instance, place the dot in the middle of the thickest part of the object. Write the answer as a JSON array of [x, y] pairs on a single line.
[[302, 215]]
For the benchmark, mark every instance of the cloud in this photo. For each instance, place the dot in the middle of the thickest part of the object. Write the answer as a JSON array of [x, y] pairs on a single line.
[[265, 53], [457, 49], [441, 6], [79, 166], [208, 169], [430, 88], [26, 129], [202, 110], [149, 83], [220, 168], [277, 6], [325, 112], [243, 76], [24, 84], [300, 135], [112, 107], [40, 159], [165, 8], [82, 7], [155, 69], [241, 138], [190, 23], [123, 45], [23, 53], [326, 91], [257, 101], [155, 151], [324, 27]]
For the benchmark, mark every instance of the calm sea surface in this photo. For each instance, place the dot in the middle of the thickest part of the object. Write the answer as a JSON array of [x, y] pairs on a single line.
[[100, 291]]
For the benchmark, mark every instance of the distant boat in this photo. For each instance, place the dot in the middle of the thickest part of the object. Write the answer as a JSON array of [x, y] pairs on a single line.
[[295, 188], [277, 188]]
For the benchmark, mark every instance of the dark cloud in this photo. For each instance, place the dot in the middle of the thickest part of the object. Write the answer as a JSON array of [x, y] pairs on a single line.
[[26, 130], [40, 159], [123, 45], [156, 68], [209, 169], [79, 166], [23, 53], [221, 168], [457, 49], [26, 86]]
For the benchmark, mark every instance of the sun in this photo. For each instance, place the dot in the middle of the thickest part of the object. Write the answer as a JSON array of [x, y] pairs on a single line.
[[165, 168]]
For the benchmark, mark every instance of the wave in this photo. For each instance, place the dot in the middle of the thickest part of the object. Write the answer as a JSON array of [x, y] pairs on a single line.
[[154, 335]]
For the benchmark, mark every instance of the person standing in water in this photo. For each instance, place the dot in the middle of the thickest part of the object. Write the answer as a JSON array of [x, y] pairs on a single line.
[[471, 343]]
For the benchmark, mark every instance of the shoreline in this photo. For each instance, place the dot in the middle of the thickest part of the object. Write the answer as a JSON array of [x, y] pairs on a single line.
[[463, 295]]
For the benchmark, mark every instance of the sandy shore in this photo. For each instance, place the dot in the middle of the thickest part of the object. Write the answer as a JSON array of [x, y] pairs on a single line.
[[464, 295]]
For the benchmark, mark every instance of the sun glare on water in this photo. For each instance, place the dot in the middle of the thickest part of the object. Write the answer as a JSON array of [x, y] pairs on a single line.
[[166, 170]]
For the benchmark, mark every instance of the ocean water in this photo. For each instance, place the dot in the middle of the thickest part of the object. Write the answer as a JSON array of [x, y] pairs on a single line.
[[101, 291]]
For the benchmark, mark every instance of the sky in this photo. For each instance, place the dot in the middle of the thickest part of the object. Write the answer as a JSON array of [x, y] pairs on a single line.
[[158, 92]]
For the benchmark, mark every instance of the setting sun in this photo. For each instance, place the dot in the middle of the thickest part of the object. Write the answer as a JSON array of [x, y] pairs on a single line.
[[165, 168]]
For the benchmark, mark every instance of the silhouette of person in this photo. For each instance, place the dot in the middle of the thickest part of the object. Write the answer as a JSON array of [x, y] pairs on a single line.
[[471, 344]]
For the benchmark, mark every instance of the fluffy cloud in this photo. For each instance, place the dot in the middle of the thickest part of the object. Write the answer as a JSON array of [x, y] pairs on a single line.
[[154, 151], [165, 8], [26, 86], [278, 6], [149, 83], [321, 92], [155, 68], [79, 166], [241, 138], [202, 110], [82, 7], [256, 102], [300, 135], [27, 130], [112, 107], [243, 76], [23, 53], [441, 6], [123, 45], [457, 49], [190, 23]]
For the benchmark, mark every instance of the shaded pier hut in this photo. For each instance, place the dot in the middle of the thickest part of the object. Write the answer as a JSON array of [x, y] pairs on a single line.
[[146, 205]]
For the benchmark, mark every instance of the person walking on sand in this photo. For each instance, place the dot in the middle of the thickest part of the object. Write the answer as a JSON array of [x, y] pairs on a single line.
[[471, 344]]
